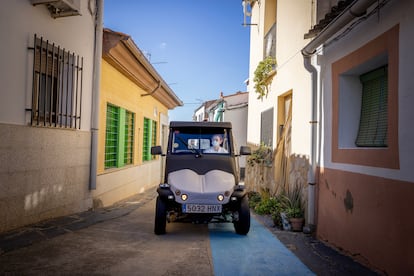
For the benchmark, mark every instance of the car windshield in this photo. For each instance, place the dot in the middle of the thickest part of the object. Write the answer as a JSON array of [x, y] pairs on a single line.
[[200, 141]]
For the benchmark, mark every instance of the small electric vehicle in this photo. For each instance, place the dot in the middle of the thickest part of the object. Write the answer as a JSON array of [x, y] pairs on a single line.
[[201, 179]]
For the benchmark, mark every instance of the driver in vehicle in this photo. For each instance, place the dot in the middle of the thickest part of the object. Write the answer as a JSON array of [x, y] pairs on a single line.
[[216, 141]]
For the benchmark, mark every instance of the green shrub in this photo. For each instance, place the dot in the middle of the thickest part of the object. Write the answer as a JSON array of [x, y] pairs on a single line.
[[267, 206], [254, 199], [264, 204]]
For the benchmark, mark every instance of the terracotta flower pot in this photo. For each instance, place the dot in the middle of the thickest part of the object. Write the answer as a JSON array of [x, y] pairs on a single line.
[[296, 223]]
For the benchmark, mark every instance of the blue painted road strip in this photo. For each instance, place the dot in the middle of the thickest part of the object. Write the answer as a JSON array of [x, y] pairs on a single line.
[[257, 253]]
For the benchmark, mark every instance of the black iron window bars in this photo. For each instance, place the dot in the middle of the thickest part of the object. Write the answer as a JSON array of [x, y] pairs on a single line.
[[57, 86]]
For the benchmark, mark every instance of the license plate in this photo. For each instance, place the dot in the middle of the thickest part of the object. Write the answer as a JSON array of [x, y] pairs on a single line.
[[201, 208]]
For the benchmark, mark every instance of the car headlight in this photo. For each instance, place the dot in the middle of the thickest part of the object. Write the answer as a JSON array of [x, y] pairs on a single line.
[[220, 197], [184, 197]]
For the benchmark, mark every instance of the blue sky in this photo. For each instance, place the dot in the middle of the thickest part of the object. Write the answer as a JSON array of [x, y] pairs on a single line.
[[200, 48]]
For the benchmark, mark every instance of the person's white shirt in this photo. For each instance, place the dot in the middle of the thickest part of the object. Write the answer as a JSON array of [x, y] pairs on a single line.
[[218, 150]]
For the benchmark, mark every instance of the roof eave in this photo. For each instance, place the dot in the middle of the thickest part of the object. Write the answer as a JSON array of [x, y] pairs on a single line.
[[121, 51]]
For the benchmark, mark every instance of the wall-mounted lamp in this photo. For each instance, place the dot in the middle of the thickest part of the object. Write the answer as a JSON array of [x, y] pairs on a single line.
[[246, 12], [247, 7]]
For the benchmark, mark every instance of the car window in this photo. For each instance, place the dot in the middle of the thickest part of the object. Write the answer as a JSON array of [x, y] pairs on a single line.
[[193, 140]]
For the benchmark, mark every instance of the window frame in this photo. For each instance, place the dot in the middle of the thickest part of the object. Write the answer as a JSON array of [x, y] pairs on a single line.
[[123, 129], [388, 44]]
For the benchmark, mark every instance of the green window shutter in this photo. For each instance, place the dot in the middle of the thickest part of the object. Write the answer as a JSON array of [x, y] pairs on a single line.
[[154, 137], [150, 139], [373, 123], [129, 138], [146, 140], [111, 137], [121, 141]]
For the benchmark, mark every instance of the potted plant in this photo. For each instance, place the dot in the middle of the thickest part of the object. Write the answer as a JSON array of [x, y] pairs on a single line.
[[263, 76], [295, 207], [296, 218]]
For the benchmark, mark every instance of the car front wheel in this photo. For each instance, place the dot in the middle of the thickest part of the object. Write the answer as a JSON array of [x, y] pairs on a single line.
[[242, 225], [160, 217]]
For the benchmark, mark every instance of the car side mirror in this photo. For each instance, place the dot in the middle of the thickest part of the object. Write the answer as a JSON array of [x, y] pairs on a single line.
[[245, 150], [156, 150]]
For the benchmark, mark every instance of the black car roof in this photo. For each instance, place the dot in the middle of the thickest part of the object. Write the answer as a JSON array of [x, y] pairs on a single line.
[[175, 124]]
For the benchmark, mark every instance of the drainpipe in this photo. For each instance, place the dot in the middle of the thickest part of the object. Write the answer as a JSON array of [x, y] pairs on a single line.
[[96, 92], [313, 140], [356, 9], [153, 91]]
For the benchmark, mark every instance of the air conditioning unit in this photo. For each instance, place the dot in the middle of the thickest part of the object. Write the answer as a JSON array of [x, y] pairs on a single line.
[[60, 8]]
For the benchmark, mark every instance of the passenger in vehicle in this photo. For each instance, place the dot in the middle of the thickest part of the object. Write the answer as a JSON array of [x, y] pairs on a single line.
[[216, 142]]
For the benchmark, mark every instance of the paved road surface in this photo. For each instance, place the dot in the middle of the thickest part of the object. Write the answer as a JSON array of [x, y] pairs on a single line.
[[258, 253], [120, 241]]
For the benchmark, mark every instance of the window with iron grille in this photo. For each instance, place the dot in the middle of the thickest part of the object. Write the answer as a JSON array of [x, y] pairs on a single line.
[[57, 86], [150, 139], [374, 109], [119, 137]]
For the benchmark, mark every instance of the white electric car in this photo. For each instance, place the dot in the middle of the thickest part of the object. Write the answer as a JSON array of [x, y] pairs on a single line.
[[201, 180]]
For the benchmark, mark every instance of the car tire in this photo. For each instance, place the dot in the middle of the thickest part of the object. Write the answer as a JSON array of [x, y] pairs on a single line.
[[242, 226], [160, 217]]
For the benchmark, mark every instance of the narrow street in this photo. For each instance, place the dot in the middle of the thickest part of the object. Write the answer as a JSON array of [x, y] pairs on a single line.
[[120, 241]]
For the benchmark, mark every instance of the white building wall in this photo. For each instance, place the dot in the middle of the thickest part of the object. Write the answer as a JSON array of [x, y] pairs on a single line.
[[44, 172], [293, 21], [19, 21], [256, 55], [291, 73], [199, 114]]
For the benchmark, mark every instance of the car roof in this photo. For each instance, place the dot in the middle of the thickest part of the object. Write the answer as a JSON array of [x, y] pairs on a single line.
[[175, 124]]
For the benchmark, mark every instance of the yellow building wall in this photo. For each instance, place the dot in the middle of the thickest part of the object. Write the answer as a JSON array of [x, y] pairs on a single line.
[[116, 184], [118, 90]]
